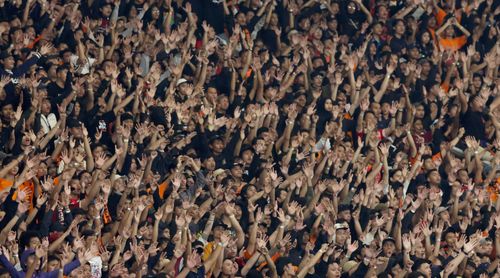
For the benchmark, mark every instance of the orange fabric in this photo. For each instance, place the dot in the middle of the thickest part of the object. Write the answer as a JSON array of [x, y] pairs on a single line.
[[436, 156], [445, 86], [274, 258], [37, 39], [29, 188], [493, 191], [207, 251], [238, 190], [440, 16], [247, 255], [106, 217], [162, 188], [452, 44], [248, 74], [5, 184], [433, 34]]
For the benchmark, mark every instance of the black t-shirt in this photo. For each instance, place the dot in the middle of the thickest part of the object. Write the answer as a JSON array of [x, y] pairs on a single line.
[[397, 45]]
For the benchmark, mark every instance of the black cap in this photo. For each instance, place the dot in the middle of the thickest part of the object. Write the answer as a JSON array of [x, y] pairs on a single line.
[[221, 224], [388, 239]]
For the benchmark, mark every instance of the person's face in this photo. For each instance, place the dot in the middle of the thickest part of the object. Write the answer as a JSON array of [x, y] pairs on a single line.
[[251, 191], [414, 53], [451, 239], [34, 242], [53, 265], [383, 13], [32, 259], [341, 237], [389, 248], [241, 19], [426, 38], [75, 186], [426, 68], [351, 7], [41, 170], [61, 74], [397, 176], [328, 106], [211, 94], [463, 176], [425, 268], [420, 112], [434, 177], [305, 24], [247, 156], [400, 28], [46, 106], [317, 33], [318, 80], [274, 20], [106, 10], [445, 216], [332, 25], [76, 110], [76, 132], [86, 178], [209, 164], [155, 13], [7, 111], [477, 82], [305, 121], [334, 270], [236, 171], [345, 215], [217, 146], [8, 63], [420, 250], [301, 101], [429, 164], [375, 107]]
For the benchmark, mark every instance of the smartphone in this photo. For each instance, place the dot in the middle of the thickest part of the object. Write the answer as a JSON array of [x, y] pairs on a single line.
[[102, 125]]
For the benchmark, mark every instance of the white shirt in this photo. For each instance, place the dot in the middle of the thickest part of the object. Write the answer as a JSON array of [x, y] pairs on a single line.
[[48, 122]]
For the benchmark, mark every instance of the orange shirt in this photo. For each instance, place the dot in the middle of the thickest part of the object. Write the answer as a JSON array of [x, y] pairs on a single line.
[[27, 186], [453, 44], [5, 184], [162, 188]]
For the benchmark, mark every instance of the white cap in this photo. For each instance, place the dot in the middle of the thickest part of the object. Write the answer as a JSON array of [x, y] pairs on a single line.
[[180, 81]]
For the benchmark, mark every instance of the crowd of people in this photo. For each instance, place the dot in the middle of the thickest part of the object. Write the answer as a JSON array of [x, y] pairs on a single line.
[[249, 138]]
